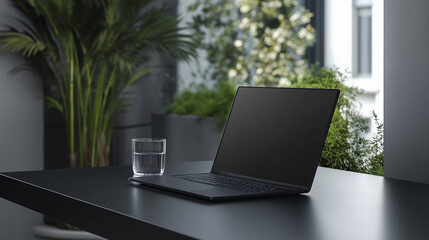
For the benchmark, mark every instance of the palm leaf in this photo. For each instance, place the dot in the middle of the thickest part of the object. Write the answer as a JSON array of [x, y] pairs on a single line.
[[54, 103], [21, 43]]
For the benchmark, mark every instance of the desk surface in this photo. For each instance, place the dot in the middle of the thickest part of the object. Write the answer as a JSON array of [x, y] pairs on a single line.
[[341, 205]]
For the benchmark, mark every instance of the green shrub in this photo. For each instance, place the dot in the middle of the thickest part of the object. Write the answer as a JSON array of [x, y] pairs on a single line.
[[346, 147], [204, 102], [376, 150]]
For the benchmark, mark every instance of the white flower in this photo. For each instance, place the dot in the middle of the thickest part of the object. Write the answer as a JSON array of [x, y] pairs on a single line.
[[253, 29], [302, 33], [232, 73], [294, 17], [284, 82], [238, 43], [276, 33], [309, 36], [274, 4], [259, 71], [244, 74], [267, 40], [306, 17], [244, 8]]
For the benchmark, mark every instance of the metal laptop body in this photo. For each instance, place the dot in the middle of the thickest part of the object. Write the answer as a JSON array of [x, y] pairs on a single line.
[[272, 136]]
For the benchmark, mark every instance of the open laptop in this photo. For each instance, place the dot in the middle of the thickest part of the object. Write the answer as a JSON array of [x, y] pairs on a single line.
[[271, 145]]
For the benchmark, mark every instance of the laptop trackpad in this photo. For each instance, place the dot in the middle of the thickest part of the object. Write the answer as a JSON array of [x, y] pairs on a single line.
[[206, 190]]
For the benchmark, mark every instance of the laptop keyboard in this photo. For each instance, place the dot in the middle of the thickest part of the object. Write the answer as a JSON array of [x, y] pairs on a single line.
[[231, 182]]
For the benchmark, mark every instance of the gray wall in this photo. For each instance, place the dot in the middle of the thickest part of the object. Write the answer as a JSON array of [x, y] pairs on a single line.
[[406, 89], [21, 135], [21, 145]]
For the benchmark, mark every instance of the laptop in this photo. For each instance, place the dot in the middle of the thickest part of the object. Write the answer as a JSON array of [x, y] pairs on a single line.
[[271, 145]]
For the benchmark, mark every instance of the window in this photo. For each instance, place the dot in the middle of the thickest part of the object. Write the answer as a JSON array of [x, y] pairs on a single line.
[[362, 38]]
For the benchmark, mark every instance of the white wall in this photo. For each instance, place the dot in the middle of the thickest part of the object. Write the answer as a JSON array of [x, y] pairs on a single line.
[[21, 136], [338, 34], [339, 51], [378, 55]]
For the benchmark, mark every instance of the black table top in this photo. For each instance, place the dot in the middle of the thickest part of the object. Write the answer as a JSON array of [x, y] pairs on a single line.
[[341, 205]]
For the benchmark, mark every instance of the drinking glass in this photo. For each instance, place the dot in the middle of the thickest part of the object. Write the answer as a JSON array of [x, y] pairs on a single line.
[[148, 156]]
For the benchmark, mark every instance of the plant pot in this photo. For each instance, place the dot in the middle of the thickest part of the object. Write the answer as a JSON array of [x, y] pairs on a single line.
[[189, 138]]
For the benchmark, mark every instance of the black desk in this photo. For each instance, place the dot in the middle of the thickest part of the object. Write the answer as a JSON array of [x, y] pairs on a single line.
[[341, 205]]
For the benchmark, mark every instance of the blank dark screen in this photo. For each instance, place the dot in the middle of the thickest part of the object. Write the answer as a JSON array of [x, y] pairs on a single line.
[[276, 133]]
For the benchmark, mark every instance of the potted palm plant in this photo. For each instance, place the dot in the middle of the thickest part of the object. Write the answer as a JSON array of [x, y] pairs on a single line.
[[87, 53]]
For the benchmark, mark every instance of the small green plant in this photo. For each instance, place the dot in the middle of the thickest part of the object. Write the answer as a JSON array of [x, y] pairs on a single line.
[[204, 102], [376, 149], [346, 147]]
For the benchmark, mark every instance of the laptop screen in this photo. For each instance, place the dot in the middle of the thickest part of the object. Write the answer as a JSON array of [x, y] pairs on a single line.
[[276, 134]]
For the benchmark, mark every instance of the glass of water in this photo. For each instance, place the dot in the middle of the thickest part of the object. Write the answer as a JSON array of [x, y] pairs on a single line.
[[148, 156]]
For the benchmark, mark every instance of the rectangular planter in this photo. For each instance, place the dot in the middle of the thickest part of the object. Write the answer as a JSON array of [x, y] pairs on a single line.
[[189, 138]]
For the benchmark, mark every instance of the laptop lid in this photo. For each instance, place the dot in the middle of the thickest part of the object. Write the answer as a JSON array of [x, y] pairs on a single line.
[[276, 134]]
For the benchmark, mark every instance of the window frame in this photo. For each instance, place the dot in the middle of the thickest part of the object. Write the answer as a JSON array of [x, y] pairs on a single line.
[[360, 7]]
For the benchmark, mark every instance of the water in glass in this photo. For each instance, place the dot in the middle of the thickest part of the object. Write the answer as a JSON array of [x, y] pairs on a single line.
[[148, 163]]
